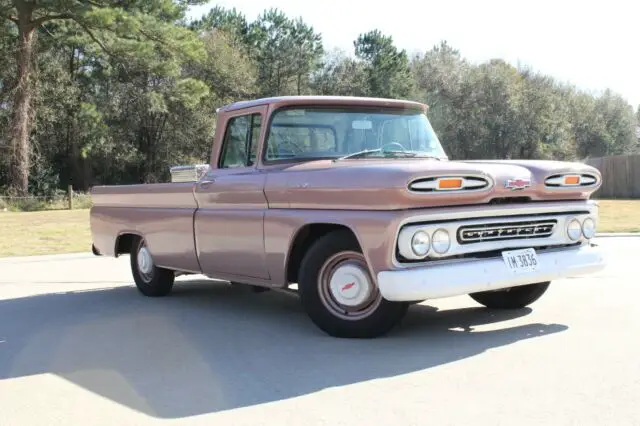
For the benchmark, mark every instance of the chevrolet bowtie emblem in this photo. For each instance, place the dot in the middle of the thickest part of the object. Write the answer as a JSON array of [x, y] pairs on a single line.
[[519, 183]]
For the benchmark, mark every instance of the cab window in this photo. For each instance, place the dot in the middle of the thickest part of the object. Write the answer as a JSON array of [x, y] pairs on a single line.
[[240, 142]]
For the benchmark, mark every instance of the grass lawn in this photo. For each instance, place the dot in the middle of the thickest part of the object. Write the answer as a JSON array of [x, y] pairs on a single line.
[[619, 216], [44, 232], [67, 231]]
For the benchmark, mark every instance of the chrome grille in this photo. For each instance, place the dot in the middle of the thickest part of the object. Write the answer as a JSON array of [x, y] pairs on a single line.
[[505, 231]]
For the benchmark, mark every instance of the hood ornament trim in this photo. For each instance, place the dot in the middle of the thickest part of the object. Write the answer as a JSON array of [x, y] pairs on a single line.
[[517, 184]]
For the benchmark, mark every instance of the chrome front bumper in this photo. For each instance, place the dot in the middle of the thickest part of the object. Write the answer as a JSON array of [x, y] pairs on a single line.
[[457, 278]]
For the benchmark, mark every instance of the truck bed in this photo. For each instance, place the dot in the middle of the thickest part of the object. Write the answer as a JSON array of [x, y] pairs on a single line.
[[162, 212], [169, 195]]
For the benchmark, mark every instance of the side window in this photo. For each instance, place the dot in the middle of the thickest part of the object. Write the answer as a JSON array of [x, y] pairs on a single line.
[[240, 143]]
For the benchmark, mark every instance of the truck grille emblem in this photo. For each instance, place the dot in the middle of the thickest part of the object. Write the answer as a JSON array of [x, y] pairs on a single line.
[[469, 234], [516, 184]]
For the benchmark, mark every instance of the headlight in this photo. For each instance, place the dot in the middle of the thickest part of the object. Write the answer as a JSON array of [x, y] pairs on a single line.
[[420, 243], [574, 229], [440, 241], [589, 228]]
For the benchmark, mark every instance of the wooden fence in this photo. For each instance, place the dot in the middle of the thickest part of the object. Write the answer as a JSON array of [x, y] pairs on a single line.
[[620, 176]]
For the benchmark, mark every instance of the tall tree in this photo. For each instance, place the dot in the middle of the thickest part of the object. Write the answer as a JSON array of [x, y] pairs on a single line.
[[285, 50], [7, 75], [272, 48], [133, 32], [387, 67], [619, 121], [307, 52], [231, 21], [228, 71], [340, 75], [439, 75]]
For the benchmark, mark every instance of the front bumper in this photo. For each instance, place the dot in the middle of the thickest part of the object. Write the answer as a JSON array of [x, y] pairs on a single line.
[[470, 276]]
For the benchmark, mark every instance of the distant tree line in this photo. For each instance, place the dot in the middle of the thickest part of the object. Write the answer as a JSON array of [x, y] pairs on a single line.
[[112, 92]]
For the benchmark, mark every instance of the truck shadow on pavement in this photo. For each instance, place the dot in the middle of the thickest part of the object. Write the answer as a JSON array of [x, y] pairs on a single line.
[[210, 347]]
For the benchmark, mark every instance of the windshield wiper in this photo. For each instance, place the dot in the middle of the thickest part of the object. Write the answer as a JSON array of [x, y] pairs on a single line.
[[393, 153], [366, 152]]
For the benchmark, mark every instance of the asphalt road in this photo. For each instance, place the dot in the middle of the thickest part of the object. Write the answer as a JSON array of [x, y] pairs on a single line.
[[78, 345]]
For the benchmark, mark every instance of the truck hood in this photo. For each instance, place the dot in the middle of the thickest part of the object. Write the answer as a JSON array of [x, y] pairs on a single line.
[[375, 184]]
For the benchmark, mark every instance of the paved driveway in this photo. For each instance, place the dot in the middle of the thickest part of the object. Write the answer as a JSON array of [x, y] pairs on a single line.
[[78, 345]]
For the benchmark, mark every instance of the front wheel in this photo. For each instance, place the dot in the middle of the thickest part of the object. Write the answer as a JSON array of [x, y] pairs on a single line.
[[150, 280], [339, 294], [511, 298]]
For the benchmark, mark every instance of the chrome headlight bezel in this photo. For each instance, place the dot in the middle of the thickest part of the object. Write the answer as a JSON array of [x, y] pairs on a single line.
[[574, 229], [592, 229], [434, 244], [426, 241]]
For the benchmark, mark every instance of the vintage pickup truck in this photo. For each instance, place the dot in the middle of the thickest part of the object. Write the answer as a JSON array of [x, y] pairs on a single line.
[[354, 204]]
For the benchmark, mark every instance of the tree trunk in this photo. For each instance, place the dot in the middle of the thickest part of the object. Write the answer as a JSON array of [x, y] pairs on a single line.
[[20, 122], [73, 148]]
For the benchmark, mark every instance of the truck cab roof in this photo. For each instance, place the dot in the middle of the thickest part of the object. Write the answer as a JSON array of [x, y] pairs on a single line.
[[279, 101]]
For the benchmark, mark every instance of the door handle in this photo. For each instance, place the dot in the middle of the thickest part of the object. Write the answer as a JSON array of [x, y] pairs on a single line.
[[204, 184]]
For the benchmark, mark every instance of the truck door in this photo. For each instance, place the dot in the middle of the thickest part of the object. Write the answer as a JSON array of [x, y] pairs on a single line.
[[229, 222]]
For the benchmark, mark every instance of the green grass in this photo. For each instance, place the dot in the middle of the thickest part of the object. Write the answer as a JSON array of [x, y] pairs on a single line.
[[67, 231], [33, 204], [45, 232], [619, 216]]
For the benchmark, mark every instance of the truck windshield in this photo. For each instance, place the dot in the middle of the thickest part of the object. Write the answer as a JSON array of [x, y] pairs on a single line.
[[350, 132]]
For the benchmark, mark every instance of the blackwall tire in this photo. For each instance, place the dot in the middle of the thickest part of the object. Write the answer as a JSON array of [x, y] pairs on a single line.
[[150, 280], [511, 298], [338, 293]]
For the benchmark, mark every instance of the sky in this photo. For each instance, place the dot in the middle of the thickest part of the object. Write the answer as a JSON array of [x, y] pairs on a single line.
[[593, 45]]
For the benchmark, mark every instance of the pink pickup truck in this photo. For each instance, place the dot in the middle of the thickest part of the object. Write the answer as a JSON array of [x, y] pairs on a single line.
[[354, 202]]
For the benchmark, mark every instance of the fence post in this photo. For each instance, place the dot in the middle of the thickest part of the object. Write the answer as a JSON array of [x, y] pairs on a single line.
[[70, 195]]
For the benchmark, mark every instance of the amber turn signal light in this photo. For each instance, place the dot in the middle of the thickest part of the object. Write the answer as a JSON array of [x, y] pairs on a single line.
[[449, 183], [572, 180]]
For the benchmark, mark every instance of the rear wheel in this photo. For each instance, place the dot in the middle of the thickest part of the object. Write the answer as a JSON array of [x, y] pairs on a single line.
[[150, 280], [338, 292], [511, 298]]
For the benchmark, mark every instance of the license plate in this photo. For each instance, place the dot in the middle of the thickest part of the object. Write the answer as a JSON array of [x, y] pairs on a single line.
[[521, 261]]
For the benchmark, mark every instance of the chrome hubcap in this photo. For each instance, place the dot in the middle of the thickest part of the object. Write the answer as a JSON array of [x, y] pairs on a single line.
[[346, 287], [349, 284], [145, 262]]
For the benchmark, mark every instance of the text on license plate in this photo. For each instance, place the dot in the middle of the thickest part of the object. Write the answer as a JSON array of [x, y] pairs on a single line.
[[519, 261]]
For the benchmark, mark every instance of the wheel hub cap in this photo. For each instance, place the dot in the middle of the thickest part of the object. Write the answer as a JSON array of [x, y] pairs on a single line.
[[145, 263], [350, 285]]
